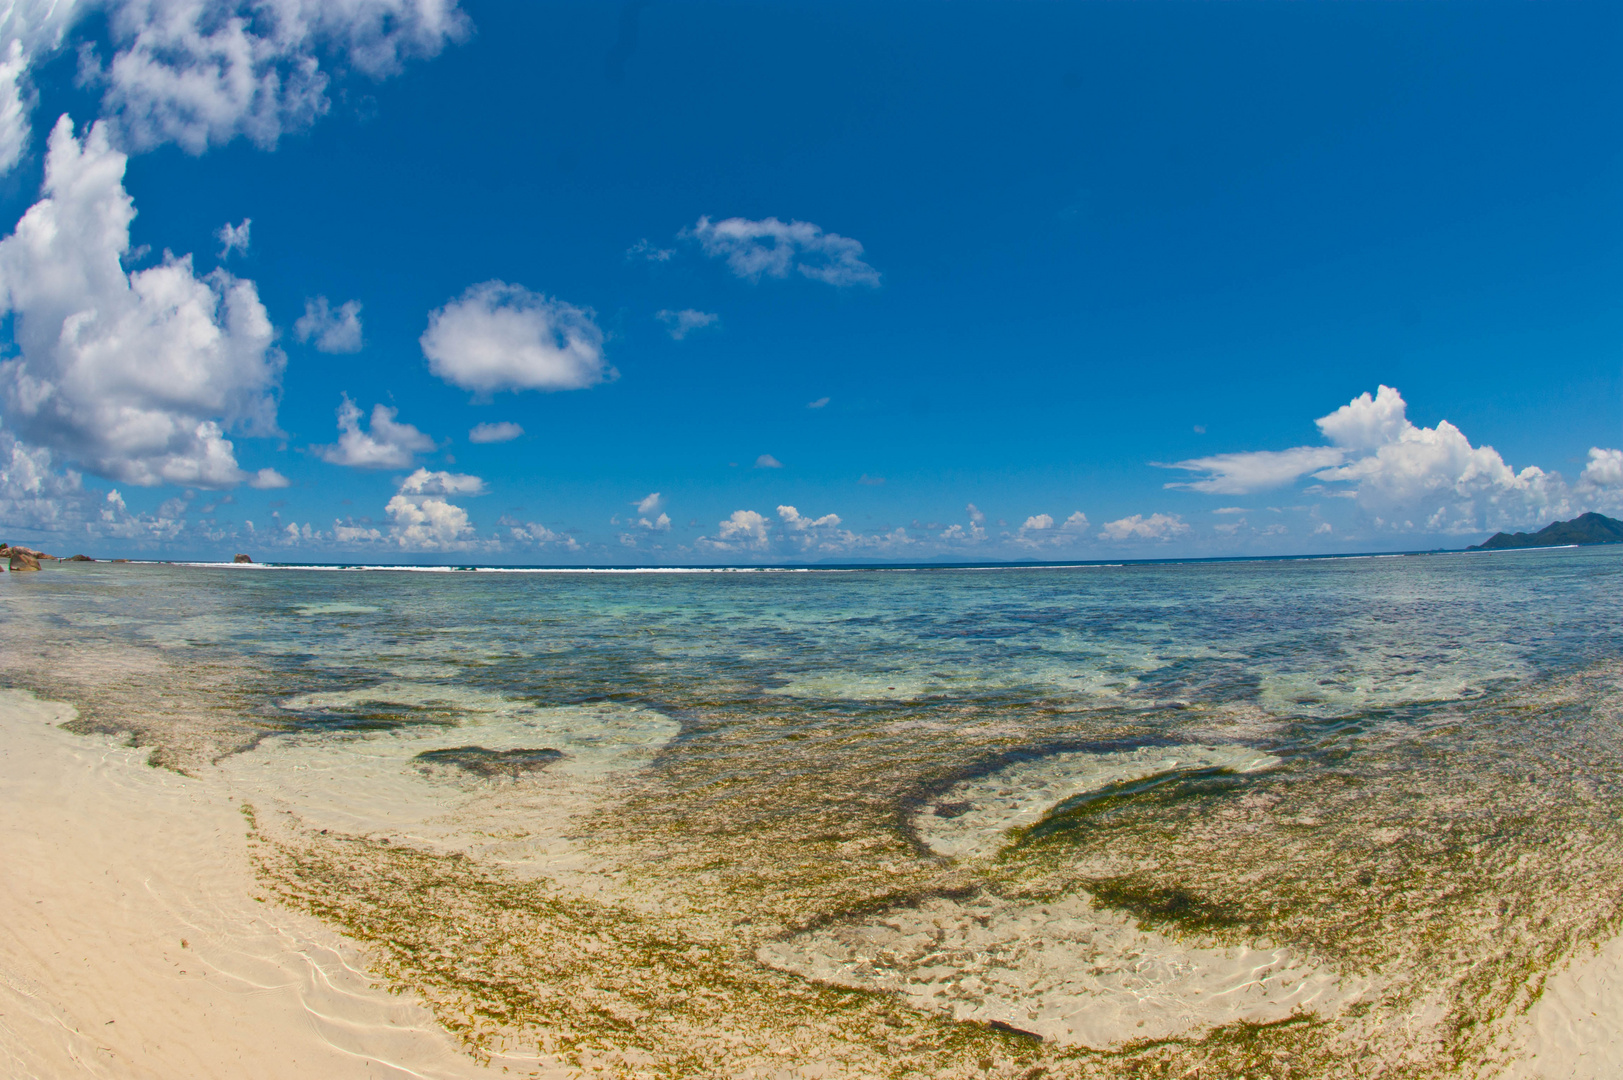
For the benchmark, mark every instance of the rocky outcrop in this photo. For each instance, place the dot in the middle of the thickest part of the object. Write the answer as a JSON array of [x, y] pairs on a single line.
[[1584, 529], [81, 558], [239, 557], [22, 559]]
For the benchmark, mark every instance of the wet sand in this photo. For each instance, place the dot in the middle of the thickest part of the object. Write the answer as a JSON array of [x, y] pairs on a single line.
[[135, 942]]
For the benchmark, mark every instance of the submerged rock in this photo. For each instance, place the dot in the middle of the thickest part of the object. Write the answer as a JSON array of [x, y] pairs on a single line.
[[486, 763], [239, 557]]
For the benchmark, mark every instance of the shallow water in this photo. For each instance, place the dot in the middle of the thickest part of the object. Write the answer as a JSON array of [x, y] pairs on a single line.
[[1395, 780]]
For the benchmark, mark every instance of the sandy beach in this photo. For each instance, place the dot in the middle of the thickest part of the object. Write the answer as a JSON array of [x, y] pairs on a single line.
[[134, 941]]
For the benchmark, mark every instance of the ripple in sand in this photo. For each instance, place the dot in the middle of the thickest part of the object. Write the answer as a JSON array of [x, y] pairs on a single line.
[[1065, 970]]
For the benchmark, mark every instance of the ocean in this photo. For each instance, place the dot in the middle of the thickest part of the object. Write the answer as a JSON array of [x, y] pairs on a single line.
[[1286, 817]]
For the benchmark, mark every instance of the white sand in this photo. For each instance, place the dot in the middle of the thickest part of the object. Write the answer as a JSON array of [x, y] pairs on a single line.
[[108, 865], [1575, 1029], [1064, 970]]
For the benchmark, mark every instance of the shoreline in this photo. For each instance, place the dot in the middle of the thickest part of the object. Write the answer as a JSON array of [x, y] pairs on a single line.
[[112, 865], [95, 980]]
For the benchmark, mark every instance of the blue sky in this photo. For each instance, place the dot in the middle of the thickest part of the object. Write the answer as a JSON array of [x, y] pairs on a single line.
[[970, 281]]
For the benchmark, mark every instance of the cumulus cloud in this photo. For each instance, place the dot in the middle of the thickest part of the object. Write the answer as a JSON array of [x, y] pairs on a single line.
[[794, 521], [428, 482], [388, 445], [743, 530], [501, 431], [530, 532], [1038, 530], [649, 503], [268, 480], [773, 248], [423, 517], [201, 72], [428, 524], [1139, 527], [498, 336], [34, 494], [136, 376], [767, 461], [1408, 477], [1402, 474], [1605, 469], [233, 238], [679, 324], [334, 331]]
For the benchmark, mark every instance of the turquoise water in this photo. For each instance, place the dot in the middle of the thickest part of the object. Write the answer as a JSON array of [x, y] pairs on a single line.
[[1438, 818]]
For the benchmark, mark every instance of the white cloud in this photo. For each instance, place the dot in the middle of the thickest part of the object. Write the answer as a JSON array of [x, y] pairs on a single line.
[[662, 523], [355, 534], [388, 445], [1139, 527], [743, 529], [498, 336], [30, 31], [1256, 470], [773, 248], [233, 237], [1433, 474], [642, 249], [136, 376], [334, 331], [975, 514], [428, 482], [268, 480], [428, 524], [1605, 469], [767, 461], [501, 431], [1407, 477], [424, 519], [794, 521], [1367, 423], [1038, 530], [531, 532], [202, 72], [818, 404], [680, 324], [33, 494], [649, 503]]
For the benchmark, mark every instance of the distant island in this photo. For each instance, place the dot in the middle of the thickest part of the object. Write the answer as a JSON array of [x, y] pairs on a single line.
[[1588, 528]]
